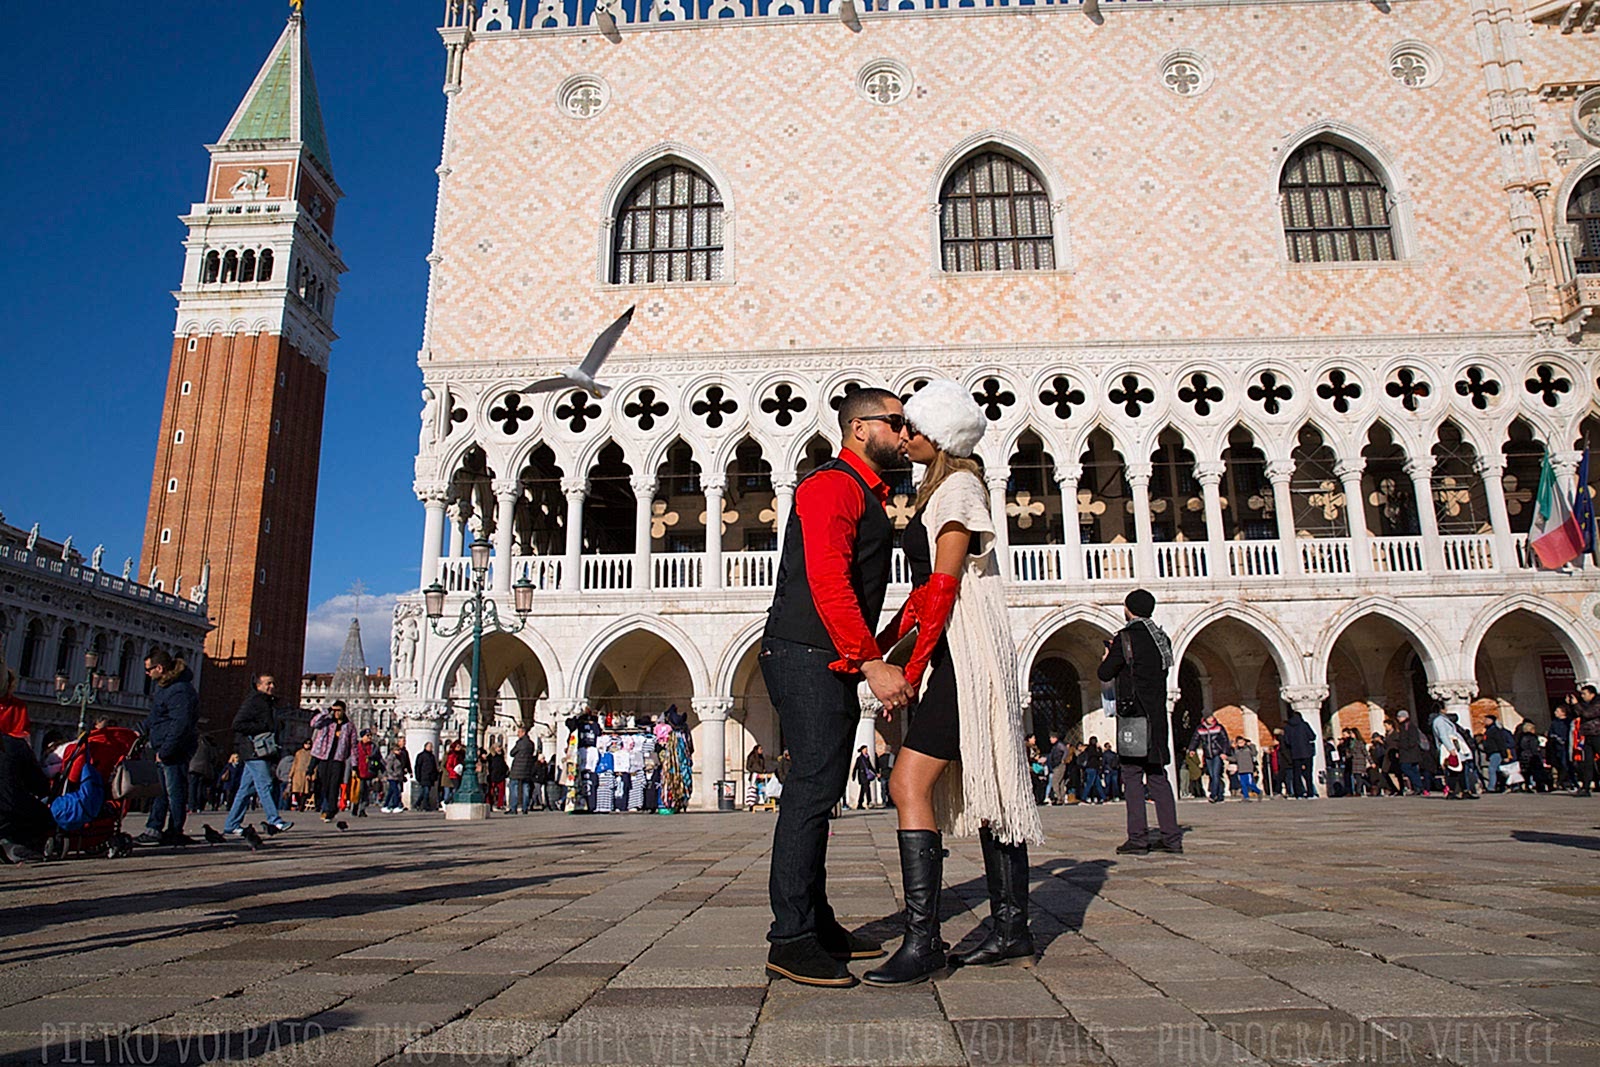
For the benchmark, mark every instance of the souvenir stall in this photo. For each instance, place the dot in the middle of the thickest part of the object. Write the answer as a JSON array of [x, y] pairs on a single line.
[[623, 763]]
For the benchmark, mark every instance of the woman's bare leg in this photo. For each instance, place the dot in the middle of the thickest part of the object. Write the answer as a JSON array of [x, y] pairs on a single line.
[[911, 787]]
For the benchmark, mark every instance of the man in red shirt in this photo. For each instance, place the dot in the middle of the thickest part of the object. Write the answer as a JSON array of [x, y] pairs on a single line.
[[818, 645]]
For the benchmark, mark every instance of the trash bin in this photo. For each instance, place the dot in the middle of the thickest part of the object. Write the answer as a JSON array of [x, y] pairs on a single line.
[[726, 795]]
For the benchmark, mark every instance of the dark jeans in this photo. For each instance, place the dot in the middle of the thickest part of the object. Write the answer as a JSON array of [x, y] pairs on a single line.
[[1136, 780], [817, 711], [1214, 777], [330, 776], [428, 796], [167, 811], [1588, 769], [391, 796], [1304, 778], [1413, 774], [198, 793]]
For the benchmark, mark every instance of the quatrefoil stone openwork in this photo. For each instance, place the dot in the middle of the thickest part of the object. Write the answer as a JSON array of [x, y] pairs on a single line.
[[1548, 385], [1339, 390], [714, 406], [1270, 393], [645, 408], [1131, 395], [1478, 387], [784, 404], [577, 410], [1200, 394], [994, 398], [1062, 396], [510, 413]]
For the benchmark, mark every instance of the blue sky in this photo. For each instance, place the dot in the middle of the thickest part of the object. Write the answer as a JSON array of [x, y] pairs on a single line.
[[105, 135]]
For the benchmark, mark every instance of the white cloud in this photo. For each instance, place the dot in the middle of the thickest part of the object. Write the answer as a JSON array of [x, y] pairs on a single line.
[[328, 622]]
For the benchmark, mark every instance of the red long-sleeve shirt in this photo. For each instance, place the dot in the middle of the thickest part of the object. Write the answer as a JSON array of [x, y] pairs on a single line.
[[829, 505]]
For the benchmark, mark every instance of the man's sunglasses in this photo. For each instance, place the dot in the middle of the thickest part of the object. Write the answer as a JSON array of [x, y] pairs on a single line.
[[896, 423]]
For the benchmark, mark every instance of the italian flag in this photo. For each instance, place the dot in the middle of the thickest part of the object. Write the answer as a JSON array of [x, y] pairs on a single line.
[[1555, 535]]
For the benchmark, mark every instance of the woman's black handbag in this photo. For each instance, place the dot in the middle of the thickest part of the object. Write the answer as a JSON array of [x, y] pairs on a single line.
[[1133, 731]]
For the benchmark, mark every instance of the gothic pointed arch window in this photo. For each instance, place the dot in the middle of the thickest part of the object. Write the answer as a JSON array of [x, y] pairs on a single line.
[[669, 228], [1335, 206], [994, 214], [1583, 214]]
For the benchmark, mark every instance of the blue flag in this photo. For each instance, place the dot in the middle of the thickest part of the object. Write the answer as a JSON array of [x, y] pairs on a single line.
[[1583, 505]]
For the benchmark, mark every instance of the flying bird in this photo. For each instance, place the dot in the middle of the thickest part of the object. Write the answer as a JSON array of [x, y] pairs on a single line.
[[252, 838], [582, 376], [212, 837]]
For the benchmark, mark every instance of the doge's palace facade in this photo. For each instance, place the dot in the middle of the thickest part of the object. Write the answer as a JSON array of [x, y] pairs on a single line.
[[1274, 308]]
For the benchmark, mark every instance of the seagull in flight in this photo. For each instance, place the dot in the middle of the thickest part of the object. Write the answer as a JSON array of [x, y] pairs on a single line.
[[582, 376]]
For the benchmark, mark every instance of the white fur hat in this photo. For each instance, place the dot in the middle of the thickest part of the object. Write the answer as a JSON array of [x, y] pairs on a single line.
[[947, 415]]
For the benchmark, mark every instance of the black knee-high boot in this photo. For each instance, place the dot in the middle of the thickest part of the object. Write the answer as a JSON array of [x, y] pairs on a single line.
[[922, 952], [1005, 868]]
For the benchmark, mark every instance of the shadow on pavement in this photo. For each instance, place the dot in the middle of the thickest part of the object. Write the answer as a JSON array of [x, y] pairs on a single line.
[[1540, 837]]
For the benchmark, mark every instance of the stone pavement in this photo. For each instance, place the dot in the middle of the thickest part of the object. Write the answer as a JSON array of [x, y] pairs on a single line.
[[1348, 931]]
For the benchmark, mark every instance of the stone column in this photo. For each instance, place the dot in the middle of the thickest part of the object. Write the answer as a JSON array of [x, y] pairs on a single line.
[[420, 722], [783, 501], [1144, 549], [1420, 469], [1209, 474], [458, 522], [867, 730], [432, 532], [1068, 476], [1279, 472], [1349, 472], [505, 494], [644, 495], [711, 755], [576, 490], [1492, 470], [1456, 696], [996, 480], [1307, 700], [713, 485], [1174, 694]]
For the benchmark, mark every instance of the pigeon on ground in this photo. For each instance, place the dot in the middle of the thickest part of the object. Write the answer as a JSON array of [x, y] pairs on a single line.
[[582, 376], [252, 838], [341, 824], [212, 837], [272, 831]]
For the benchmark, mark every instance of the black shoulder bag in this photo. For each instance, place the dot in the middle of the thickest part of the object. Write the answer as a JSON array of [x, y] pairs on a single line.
[[1133, 731]]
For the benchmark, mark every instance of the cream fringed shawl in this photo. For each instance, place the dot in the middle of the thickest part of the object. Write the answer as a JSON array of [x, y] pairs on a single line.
[[994, 787]]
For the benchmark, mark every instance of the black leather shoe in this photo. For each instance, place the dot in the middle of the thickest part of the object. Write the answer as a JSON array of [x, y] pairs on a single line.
[[1131, 847], [1159, 845], [921, 953], [841, 944], [806, 962], [149, 837], [1005, 868]]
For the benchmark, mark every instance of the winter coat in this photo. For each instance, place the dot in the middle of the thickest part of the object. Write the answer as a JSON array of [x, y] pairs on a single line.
[[1211, 741], [365, 754], [1407, 742], [1530, 750], [453, 761], [255, 716], [524, 753], [497, 768], [284, 772], [1058, 753], [1149, 696], [755, 763], [864, 771], [539, 773], [1588, 712], [1299, 737], [331, 739], [204, 759], [394, 767], [1244, 757], [173, 724], [426, 768], [1448, 740], [1356, 753], [300, 777]]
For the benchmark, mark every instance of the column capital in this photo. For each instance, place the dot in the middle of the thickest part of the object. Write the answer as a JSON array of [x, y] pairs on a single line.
[[1418, 468], [712, 709], [1492, 467], [1306, 699], [1069, 473], [431, 492], [1453, 691], [1279, 471], [575, 486], [996, 478], [1139, 474], [1565, 463], [1349, 468], [785, 481], [507, 488], [1209, 471], [643, 486], [714, 483]]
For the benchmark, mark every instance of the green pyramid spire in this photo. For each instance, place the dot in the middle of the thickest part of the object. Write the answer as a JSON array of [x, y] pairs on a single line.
[[282, 104]]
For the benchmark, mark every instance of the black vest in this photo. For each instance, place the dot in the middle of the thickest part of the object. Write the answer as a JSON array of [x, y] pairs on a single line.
[[793, 615]]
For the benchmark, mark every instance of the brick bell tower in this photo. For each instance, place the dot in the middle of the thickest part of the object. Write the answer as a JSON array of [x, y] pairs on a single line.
[[235, 486]]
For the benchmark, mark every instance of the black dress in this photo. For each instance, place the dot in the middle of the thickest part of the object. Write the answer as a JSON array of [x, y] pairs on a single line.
[[935, 728]]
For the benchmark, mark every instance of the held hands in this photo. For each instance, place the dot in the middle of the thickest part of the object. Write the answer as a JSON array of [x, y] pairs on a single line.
[[888, 684]]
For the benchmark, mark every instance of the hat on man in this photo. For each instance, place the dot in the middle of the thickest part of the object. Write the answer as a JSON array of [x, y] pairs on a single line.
[[1141, 603], [946, 414]]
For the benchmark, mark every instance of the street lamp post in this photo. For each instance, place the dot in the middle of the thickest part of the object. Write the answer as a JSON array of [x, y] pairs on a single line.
[[481, 614], [87, 691]]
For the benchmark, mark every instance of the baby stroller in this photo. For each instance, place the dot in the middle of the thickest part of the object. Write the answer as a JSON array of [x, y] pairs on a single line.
[[81, 795]]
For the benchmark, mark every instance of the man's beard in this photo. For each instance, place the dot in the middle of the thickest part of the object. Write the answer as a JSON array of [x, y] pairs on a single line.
[[884, 457]]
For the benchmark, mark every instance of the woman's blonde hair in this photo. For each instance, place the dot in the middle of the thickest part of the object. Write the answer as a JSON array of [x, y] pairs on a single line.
[[942, 466]]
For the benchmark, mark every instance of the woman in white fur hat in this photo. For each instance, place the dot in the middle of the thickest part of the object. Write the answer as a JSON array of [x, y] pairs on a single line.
[[969, 711]]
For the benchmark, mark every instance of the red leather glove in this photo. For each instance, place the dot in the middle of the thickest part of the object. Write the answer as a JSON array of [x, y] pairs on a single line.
[[904, 621], [938, 597]]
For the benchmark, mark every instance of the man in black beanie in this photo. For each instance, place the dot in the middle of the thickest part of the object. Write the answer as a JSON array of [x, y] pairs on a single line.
[[1138, 659]]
